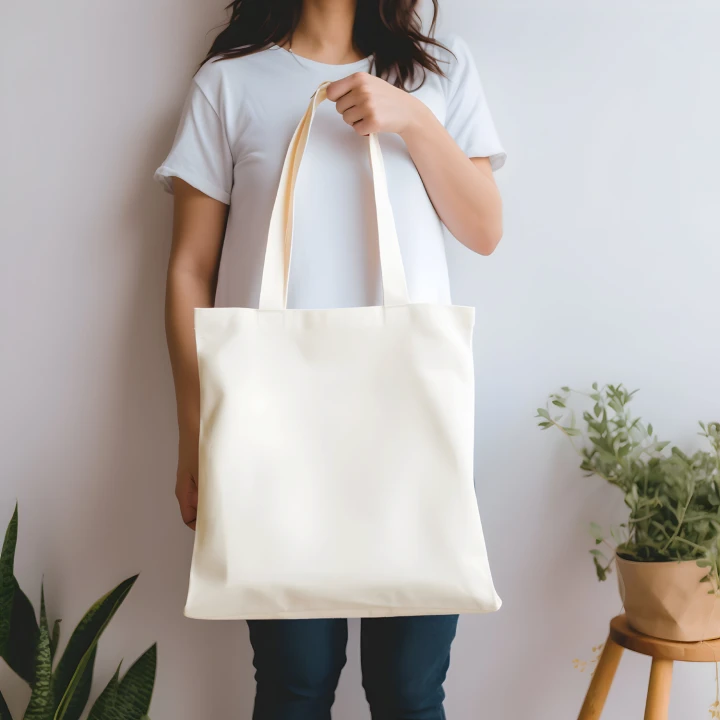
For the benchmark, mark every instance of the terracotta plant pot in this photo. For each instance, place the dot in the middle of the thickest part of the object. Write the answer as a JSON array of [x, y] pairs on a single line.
[[667, 600]]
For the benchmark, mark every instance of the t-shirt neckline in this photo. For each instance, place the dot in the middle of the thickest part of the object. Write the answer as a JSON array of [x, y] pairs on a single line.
[[328, 66]]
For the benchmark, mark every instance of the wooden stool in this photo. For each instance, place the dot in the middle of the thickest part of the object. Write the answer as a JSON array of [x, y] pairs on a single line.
[[663, 654]]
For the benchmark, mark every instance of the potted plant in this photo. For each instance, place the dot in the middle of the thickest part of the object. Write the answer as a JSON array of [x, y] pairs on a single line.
[[668, 552], [29, 648]]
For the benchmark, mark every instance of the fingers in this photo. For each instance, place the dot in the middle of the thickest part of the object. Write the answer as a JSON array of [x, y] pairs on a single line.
[[354, 115], [353, 100], [361, 120], [186, 492], [363, 127], [346, 102], [335, 90], [188, 513]]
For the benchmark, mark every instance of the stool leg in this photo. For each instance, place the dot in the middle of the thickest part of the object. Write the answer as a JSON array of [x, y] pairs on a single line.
[[602, 680], [658, 697]]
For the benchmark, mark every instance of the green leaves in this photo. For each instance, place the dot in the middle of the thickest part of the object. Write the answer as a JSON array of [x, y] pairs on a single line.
[[7, 581], [29, 648], [18, 627], [129, 698], [103, 709], [557, 400], [79, 654], [55, 638], [601, 570], [78, 700], [40, 706], [135, 691], [546, 421], [673, 498]]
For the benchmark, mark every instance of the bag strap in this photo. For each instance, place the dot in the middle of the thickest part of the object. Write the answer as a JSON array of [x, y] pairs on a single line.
[[276, 270]]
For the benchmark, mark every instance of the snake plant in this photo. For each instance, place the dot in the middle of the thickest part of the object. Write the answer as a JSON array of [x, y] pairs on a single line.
[[60, 691]]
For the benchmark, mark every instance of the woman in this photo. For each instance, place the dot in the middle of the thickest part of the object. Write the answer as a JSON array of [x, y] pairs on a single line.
[[440, 149]]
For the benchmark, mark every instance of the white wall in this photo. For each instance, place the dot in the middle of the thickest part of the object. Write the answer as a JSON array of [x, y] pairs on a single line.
[[608, 271]]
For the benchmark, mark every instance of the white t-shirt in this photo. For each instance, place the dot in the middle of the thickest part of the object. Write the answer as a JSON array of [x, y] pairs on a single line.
[[235, 128]]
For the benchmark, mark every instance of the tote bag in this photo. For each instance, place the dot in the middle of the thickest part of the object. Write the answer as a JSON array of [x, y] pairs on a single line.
[[336, 446]]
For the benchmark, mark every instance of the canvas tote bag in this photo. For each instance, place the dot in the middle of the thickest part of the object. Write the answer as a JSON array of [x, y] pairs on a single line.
[[336, 446]]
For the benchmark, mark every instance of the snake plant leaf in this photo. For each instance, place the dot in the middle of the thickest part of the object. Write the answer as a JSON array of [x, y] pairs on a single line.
[[40, 706], [136, 687], [4, 709], [7, 584], [104, 706], [20, 655], [78, 700], [80, 648], [55, 638], [18, 626]]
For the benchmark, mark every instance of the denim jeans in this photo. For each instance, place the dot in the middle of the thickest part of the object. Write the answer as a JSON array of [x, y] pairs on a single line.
[[404, 663]]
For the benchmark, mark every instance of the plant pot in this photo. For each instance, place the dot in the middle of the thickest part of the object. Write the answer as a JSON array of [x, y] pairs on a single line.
[[667, 600]]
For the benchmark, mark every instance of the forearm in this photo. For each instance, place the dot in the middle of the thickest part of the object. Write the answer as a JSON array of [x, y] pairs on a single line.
[[464, 196], [185, 291]]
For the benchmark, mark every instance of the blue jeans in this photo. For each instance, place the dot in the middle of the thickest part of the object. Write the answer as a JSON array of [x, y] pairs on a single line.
[[404, 663]]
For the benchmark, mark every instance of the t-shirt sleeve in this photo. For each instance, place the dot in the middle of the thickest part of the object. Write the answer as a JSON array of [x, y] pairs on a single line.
[[200, 154], [468, 117]]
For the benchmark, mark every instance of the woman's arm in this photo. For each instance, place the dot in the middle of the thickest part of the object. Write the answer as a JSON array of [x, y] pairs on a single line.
[[461, 189], [198, 231]]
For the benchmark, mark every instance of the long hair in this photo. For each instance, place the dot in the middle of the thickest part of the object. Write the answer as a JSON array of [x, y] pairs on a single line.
[[388, 31]]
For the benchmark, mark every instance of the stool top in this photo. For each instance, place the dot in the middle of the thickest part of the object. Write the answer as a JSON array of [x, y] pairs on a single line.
[[622, 634]]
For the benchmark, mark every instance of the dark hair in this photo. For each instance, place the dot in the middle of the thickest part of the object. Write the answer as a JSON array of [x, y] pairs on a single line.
[[389, 31]]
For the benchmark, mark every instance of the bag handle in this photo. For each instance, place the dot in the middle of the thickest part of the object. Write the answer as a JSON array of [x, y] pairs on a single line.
[[276, 270]]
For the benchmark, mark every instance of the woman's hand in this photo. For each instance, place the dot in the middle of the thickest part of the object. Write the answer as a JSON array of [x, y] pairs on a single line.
[[371, 105], [462, 190], [186, 485]]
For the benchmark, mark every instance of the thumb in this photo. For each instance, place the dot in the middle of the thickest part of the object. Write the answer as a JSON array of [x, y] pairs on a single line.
[[335, 90]]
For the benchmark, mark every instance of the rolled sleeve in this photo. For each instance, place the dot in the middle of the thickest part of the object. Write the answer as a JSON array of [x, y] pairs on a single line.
[[468, 118], [200, 154]]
